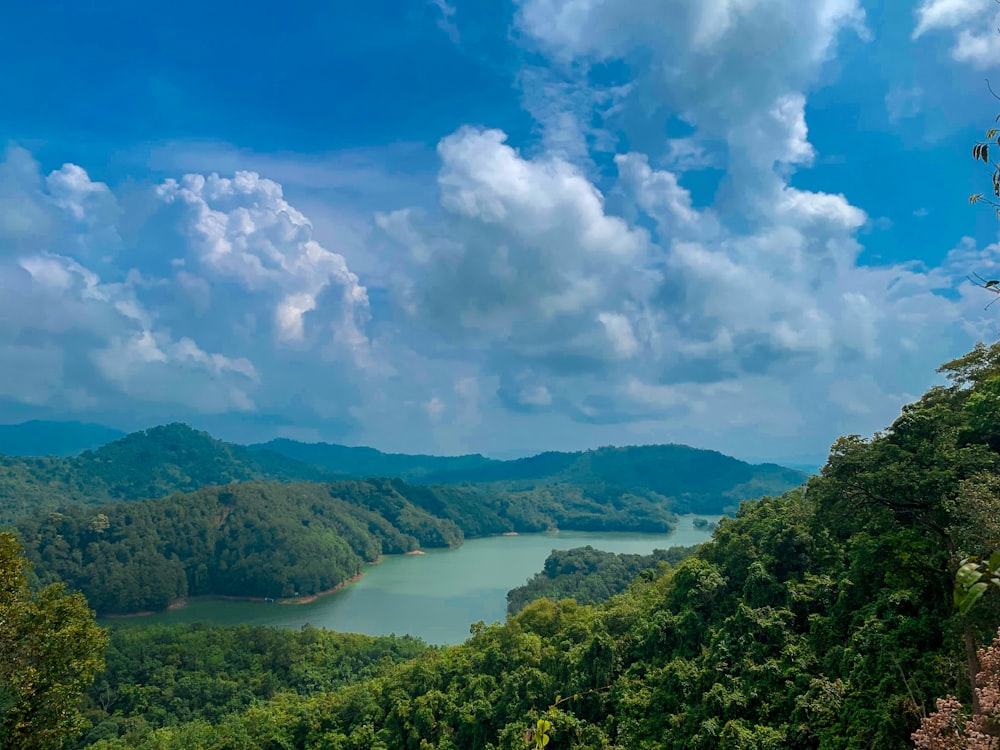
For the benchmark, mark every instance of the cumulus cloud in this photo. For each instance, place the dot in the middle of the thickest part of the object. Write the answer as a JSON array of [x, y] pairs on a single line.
[[579, 312], [772, 48], [524, 252], [972, 24], [107, 342], [180, 338], [753, 314], [563, 279], [244, 232]]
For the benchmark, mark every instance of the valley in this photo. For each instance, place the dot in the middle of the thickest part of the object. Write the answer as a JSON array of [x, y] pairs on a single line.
[[434, 597], [806, 596]]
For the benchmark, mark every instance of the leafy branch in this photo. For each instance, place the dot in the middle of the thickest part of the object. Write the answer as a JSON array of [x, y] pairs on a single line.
[[538, 736], [981, 152], [973, 579]]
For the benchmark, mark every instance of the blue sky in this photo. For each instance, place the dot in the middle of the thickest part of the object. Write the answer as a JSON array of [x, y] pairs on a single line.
[[492, 226]]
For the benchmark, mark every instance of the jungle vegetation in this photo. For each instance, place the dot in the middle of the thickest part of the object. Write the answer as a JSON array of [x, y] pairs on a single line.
[[821, 618]]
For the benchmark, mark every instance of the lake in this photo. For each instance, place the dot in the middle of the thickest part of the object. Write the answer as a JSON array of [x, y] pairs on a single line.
[[435, 596]]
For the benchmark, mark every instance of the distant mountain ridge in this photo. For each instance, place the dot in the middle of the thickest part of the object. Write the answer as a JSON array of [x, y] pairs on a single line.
[[177, 458], [675, 471], [149, 464], [39, 437], [370, 462]]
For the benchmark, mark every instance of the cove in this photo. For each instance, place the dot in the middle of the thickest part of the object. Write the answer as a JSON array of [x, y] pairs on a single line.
[[435, 596]]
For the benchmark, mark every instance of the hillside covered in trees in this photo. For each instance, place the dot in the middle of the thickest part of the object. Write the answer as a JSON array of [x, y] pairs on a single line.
[[823, 618], [698, 481], [265, 540], [590, 576], [279, 540], [175, 458], [150, 464]]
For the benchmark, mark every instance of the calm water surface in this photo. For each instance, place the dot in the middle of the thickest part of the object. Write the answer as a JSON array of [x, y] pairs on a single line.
[[435, 596]]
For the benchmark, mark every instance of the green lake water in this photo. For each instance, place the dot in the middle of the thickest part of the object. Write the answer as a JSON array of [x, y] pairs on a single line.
[[435, 596]]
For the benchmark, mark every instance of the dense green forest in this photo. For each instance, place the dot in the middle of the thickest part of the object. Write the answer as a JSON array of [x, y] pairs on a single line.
[[159, 675], [267, 540], [823, 618], [278, 540], [175, 458], [149, 464], [694, 480], [590, 576]]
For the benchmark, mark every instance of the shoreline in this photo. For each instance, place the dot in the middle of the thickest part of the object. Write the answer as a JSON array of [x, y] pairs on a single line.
[[180, 603], [293, 600]]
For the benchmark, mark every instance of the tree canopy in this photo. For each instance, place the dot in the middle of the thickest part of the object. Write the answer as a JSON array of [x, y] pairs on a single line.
[[50, 651]]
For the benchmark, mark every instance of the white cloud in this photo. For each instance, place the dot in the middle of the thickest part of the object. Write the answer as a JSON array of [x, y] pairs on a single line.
[[535, 395], [180, 338], [732, 95], [444, 22], [524, 256], [620, 333], [688, 154], [945, 14], [560, 288], [749, 315], [973, 24], [435, 408], [72, 190], [24, 220], [245, 232]]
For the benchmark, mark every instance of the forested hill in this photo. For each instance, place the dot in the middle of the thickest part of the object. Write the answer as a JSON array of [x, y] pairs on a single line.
[[176, 458], [273, 539], [361, 462], [255, 539], [590, 576], [149, 464], [691, 477]]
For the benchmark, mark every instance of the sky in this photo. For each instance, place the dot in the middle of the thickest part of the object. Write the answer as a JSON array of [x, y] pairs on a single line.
[[494, 226]]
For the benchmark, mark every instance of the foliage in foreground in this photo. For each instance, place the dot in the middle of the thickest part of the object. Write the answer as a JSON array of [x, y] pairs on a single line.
[[50, 650], [950, 728]]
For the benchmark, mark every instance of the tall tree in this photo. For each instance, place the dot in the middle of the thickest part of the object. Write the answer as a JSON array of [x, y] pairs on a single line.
[[50, 651]]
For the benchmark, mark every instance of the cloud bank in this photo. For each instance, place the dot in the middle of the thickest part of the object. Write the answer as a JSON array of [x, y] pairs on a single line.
[[558, 292]]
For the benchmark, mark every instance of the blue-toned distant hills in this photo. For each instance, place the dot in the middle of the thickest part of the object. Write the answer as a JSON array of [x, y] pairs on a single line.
[[177, 458], [45, 438]]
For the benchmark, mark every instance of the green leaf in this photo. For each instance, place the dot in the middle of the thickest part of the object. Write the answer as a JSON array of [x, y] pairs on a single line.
[[973, 596], [994, 563], [985, 153], [967, 575]]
